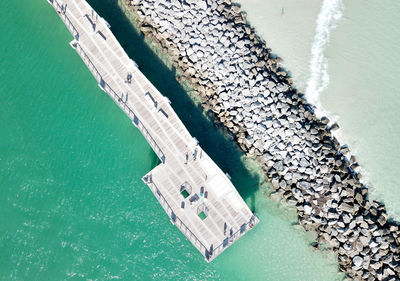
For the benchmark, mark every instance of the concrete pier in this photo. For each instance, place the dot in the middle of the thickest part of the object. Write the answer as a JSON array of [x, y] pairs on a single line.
[[197, 196]]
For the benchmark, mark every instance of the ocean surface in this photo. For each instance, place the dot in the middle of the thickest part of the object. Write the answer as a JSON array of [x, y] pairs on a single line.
[[345, 56], [72, 205]]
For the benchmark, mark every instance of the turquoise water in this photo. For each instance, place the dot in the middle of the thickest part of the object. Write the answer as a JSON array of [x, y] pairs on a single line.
[[72, 205]]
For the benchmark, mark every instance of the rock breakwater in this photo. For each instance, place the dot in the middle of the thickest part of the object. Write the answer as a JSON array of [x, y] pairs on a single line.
[[238, 78]]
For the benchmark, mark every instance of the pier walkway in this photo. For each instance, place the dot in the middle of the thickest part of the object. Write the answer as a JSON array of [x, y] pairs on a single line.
[[197, 196]]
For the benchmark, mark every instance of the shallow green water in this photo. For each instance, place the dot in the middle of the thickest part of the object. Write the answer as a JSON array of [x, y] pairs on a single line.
[[363, 64], [288, 27], [364, 92], [72, 206]]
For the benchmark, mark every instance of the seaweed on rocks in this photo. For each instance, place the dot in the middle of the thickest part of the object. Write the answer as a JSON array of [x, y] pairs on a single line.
[[235, 74]]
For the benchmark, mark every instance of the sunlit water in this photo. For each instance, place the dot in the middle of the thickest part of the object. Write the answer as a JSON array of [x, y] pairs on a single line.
[[345, 55], [72, 205]]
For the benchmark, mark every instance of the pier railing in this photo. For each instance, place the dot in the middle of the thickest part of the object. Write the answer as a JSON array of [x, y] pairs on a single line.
[[61, 10], [236, 235], [176, 220], [118, 100], [208, 253]]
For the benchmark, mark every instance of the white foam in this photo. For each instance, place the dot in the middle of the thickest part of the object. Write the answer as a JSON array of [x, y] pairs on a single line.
[[330, 13]]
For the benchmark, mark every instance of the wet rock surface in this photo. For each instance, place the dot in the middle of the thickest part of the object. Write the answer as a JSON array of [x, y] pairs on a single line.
[[238, 78]]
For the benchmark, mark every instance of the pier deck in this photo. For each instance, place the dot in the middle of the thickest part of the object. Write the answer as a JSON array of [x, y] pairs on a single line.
[[197, 196]]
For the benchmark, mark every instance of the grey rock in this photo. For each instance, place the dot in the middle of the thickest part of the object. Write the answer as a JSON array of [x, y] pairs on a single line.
[[304, 162], [344, 149], [250, 96], [279, 166], [346, 207], [334, 127]]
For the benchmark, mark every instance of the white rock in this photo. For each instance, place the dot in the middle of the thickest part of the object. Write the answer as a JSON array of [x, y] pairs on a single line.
[[357, 261], [307, 209]]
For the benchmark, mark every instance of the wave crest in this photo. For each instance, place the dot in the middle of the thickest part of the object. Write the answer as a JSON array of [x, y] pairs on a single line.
[[331, 12]]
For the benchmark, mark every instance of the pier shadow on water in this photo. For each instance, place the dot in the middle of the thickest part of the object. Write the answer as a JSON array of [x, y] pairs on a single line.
[[221, 148]]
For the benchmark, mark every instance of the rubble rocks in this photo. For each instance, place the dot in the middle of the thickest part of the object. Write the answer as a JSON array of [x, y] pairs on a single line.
[[236, 77]]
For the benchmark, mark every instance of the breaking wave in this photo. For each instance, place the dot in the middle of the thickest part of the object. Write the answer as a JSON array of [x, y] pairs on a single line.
[[330, 13]]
